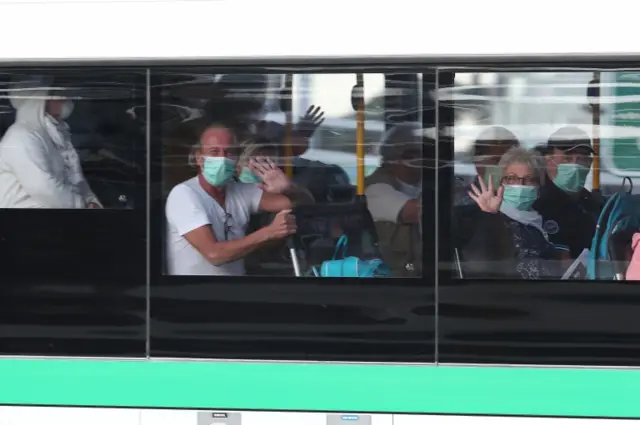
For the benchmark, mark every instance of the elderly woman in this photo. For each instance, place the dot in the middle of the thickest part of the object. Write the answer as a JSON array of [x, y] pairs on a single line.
[[510, 232]]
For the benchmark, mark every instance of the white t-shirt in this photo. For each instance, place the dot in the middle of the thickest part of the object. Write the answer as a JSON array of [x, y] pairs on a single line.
[[385, 202], [189, 207]]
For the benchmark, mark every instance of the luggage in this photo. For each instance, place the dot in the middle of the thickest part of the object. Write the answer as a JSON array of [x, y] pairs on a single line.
[[611, 247]]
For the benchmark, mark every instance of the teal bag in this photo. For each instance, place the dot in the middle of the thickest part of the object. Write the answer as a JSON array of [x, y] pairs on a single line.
[[350, 266]]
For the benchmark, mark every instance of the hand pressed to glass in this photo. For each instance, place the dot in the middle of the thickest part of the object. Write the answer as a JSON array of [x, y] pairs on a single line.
[[274, 179], [486, 198]]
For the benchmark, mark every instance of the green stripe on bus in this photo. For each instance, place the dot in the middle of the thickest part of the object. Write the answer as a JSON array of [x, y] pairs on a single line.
[[324, 387]]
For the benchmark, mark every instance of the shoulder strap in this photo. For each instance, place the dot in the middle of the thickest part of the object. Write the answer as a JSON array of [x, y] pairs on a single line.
[[341, 245]]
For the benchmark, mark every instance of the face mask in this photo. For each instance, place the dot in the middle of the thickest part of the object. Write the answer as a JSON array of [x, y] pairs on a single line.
[[520, 197], [247, 176], [571, 177], [66, 110], [492, 174], [217, 171]]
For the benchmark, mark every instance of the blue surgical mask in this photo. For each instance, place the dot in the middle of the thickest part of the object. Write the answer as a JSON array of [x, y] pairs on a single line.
[[218, 170], [571, 177], [248, 176], [519, 196]]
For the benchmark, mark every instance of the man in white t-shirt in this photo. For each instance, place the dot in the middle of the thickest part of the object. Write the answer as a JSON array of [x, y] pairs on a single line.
[[393, 189], [393, 195], [207, 215]]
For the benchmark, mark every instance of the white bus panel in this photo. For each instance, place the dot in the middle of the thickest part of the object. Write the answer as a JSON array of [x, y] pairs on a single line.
[[276, 29]]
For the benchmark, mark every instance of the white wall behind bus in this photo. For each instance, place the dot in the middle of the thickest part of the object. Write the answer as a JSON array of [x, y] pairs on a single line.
[[18, 415], [246, 29]]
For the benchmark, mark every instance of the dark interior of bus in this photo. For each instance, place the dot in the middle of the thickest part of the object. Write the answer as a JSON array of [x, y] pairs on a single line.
[[94, 283]]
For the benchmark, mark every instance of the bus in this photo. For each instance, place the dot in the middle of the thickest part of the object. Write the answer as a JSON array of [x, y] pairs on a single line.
[[93, 328]]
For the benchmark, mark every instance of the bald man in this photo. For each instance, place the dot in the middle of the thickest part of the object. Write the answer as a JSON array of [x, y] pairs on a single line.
[[207, 215]]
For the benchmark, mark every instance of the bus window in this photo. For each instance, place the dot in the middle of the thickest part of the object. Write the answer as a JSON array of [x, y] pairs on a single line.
[[541, 123], [229, 181], [536, 157], [261, 187], [72, 212], [66, 142], [333, 142]]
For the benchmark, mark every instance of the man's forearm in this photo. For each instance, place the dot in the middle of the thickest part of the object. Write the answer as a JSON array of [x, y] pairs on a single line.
[[227, 251]]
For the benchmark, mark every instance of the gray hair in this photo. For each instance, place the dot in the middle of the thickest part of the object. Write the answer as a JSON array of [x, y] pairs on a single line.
[[530, 158]]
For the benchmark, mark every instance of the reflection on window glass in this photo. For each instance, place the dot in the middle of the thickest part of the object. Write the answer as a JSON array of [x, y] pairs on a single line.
[[239, 184], [334, 140], [69, 141], [527, 196]]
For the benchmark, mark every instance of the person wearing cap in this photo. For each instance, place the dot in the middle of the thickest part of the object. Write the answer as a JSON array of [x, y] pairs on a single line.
[[488, 149], [39, 167], [394, 192], [571, 212]]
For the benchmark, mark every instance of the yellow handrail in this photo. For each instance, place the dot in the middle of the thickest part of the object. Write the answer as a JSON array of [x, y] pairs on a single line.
[[288, 139], [360, 148]]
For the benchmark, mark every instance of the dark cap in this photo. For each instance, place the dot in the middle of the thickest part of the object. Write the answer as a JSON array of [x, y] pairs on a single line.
[[570, 138]]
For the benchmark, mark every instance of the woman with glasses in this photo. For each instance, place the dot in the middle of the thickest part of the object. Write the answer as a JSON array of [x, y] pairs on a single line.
[[510, 241]]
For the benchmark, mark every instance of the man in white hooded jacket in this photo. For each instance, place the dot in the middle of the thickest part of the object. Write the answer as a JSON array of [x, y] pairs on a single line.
[[39, 167]]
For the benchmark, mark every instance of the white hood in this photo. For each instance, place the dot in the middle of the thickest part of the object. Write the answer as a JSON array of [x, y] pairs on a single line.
[[28, 97], [39, 167]]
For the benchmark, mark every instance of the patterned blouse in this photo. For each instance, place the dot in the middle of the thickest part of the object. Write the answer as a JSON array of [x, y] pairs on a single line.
[[536, 257]]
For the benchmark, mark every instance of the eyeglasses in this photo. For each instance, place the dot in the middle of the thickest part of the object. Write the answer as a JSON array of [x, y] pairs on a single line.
[[228, 227], [525, 181]]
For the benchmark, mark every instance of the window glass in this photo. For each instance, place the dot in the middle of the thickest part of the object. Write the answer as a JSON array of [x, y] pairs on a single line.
[[540, 158], [243, 155], [238, 186], [529, 135], [72, 212], [333, 142], [68, 143]]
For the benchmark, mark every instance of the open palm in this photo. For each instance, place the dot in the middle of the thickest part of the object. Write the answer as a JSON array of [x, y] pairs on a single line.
[[488, 200], [309, 123], [274, 180]]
